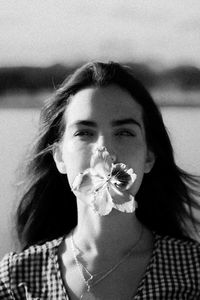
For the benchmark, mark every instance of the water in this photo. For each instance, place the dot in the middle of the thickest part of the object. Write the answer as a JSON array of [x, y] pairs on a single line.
[[18, 127], [183, 125]]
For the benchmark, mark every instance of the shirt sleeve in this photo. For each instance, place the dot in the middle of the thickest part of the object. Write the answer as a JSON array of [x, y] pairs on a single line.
[[5, 290]]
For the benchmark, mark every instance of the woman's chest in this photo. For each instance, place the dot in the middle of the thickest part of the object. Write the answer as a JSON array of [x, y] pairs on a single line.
[[120, 284]]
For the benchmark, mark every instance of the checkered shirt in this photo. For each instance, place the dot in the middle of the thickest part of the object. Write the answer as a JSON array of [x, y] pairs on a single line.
[[173, 272]]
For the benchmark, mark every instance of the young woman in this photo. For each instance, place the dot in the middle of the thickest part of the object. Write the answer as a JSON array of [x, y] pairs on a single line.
[[105, 212]]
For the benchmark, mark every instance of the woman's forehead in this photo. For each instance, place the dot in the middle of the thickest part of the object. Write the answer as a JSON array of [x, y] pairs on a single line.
[[110, 102]]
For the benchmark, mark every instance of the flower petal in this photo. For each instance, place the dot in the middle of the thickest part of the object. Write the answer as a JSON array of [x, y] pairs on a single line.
[[83, 182], [133, 176], [118, 196], [102, 202], [87, 183], [101, 162], [128, 207], [122, 177]]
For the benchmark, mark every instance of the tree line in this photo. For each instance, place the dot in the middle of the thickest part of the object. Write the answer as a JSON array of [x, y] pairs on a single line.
[[34, 79]]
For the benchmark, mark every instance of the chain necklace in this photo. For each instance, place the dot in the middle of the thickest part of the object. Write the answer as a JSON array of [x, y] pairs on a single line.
[[81, 267]]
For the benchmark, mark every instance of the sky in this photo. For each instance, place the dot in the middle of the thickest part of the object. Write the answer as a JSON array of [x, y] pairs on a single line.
[[45, 32]]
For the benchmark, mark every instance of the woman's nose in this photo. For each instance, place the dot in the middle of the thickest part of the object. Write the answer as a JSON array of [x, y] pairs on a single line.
[[105, 144]]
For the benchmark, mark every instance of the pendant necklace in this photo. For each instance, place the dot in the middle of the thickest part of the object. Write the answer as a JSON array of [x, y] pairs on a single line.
[[87, 295]]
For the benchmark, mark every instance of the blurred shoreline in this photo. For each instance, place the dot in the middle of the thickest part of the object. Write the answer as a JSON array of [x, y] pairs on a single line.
[[30, 87], [163, 97]]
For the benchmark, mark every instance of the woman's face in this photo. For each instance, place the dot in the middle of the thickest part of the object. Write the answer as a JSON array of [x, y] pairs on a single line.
[[108, 117]]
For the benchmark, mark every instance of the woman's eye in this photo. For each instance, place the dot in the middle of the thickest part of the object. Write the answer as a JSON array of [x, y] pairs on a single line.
[[125, 133], [83, 133]]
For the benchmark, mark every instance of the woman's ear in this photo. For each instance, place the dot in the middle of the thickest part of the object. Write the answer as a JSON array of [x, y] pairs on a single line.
[[150, 160], [58, 158]]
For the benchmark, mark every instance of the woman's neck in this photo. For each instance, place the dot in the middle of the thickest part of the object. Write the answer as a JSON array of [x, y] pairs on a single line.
[[108, 235]]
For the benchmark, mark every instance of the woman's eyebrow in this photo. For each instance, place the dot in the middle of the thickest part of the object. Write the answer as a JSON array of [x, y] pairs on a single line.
[[126, 122], [114, 123], [85, 123]]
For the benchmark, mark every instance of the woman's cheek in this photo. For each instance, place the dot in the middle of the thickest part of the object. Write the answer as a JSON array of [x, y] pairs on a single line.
[[76, 159], [136, 185]]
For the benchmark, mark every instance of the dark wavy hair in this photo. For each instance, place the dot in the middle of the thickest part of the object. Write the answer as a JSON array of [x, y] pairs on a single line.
[[48, 209]]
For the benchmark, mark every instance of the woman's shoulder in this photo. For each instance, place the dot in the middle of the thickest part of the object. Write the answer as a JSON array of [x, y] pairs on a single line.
[[185, 249], [174, 270], [29, 265], [33, 254], [179, 242]]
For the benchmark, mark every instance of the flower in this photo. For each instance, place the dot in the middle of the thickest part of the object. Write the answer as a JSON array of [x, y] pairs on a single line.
[[105, 185]]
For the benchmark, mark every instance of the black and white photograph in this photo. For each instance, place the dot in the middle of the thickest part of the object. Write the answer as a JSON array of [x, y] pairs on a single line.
[[99, 150]]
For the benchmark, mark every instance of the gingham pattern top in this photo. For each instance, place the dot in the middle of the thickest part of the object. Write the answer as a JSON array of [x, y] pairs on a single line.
[[173, 272]]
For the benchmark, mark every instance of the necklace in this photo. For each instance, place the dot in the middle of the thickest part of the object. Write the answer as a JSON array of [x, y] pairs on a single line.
[[81, 267]]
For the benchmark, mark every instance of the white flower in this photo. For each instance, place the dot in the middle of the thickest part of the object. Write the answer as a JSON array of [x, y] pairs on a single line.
[[105, 185]]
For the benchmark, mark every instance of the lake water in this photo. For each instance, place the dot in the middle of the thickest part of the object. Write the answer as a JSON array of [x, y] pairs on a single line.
[[17, 129]]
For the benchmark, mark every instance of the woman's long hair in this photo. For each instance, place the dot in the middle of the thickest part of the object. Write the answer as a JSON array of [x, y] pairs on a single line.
[[48, 209]]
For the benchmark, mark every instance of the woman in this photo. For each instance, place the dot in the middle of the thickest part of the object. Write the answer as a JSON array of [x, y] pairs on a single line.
[[123, 231]]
